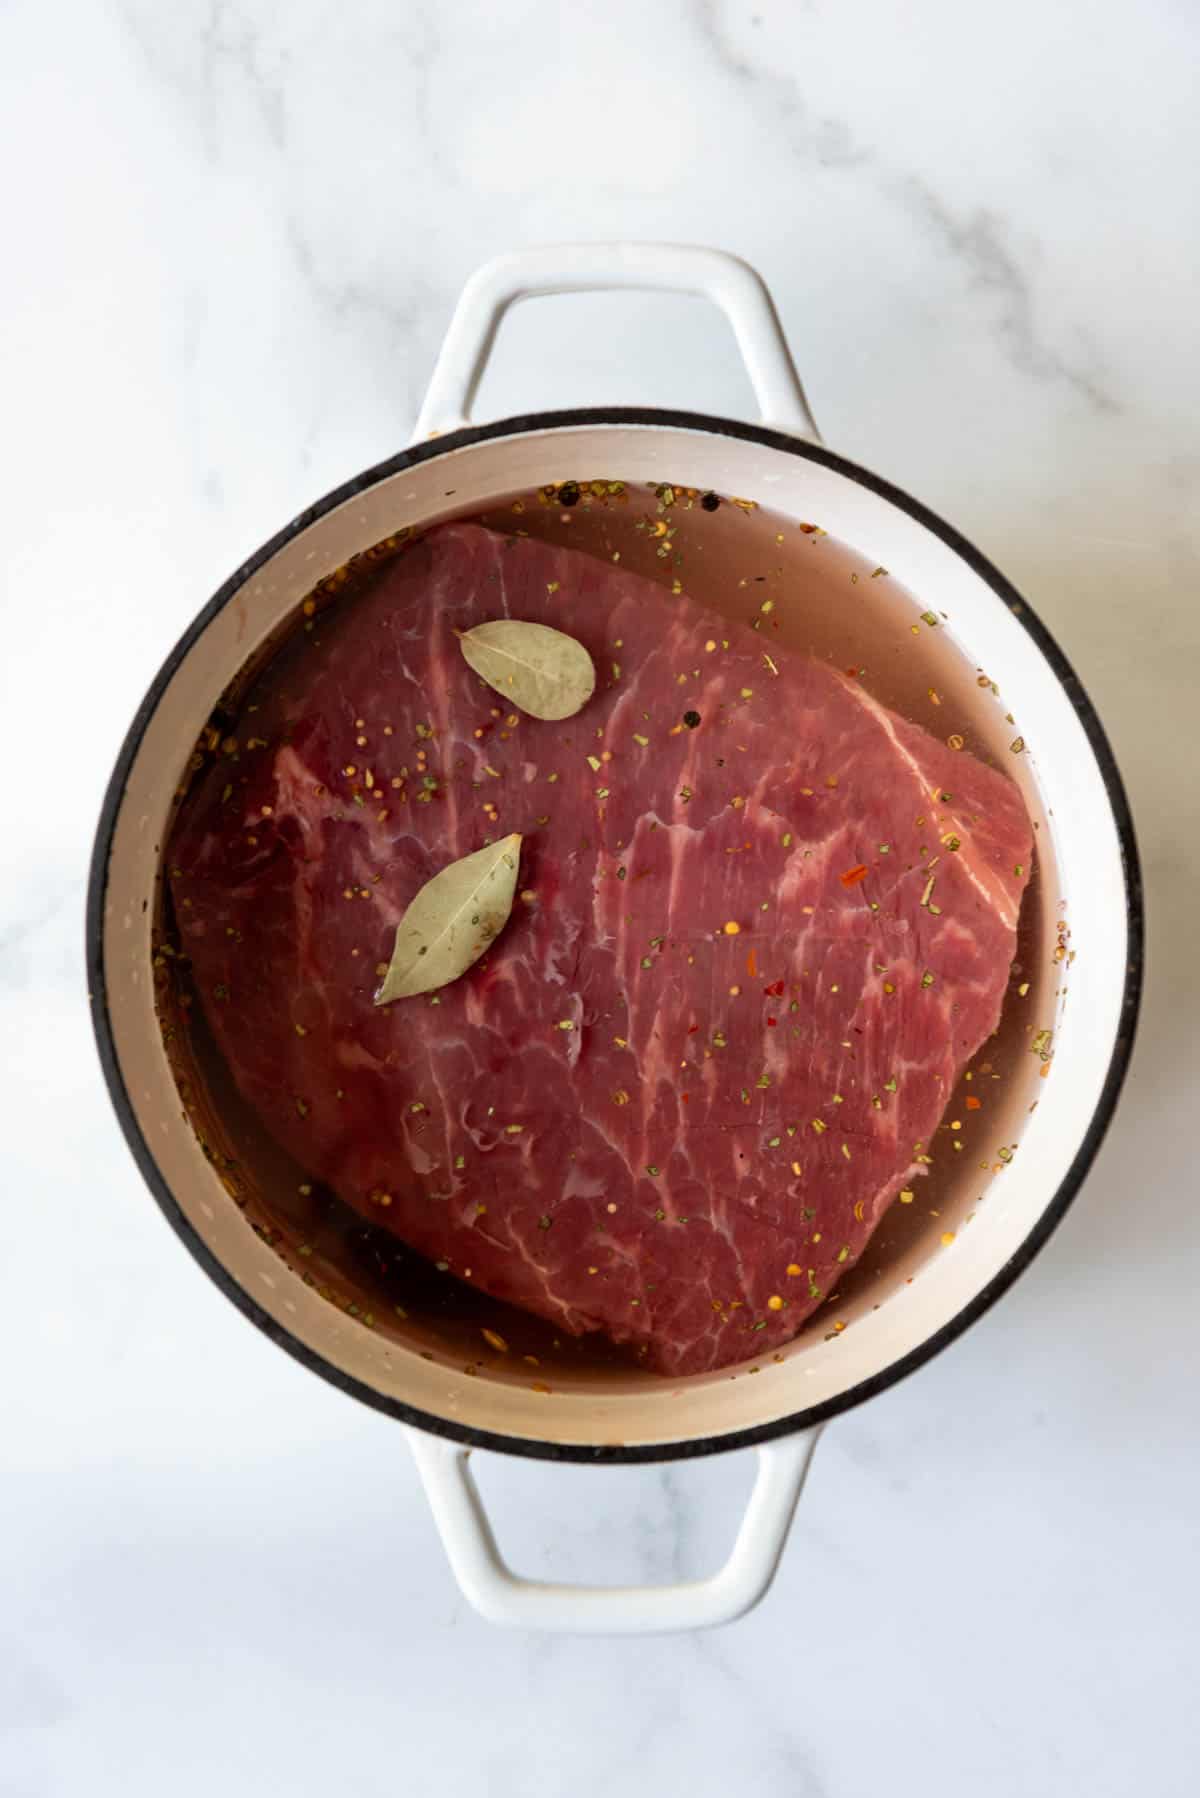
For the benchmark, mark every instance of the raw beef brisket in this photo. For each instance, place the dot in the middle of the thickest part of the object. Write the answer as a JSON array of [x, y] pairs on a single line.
[[676, 1098]]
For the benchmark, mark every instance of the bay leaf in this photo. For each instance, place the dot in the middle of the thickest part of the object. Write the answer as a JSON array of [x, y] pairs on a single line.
[[453, 919], [541, 670]]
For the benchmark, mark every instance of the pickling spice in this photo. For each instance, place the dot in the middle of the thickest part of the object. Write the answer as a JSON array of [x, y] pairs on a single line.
[[719, 936]]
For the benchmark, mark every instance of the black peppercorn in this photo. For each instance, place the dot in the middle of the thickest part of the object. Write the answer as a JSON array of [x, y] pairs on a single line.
[[568, 493], [691, 719], [710, 502]]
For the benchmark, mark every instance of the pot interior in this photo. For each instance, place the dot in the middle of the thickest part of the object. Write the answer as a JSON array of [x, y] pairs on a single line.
[[243, 1199]]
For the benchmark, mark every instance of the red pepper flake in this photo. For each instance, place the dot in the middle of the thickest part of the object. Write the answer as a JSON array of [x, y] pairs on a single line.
[[852, 876], [771, 1023], [974, 1104], [751, 965], [775, 990]]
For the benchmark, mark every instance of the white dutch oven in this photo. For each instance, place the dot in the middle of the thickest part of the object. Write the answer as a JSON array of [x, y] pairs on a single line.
[[913, 1308]]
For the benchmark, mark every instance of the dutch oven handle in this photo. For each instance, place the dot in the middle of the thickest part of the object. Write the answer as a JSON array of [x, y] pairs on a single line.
[[732, 285], [503, 1597], [486, 1581]]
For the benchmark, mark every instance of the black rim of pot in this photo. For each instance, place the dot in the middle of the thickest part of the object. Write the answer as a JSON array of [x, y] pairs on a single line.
[[1033, 1241]]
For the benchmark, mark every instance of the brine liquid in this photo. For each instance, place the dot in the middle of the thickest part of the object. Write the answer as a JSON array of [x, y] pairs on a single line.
[[799, 588]]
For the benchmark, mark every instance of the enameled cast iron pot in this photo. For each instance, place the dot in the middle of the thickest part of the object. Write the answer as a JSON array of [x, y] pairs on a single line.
[[913, 1312]]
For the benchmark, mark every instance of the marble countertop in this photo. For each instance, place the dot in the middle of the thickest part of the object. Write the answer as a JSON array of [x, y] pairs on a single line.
[[234, 235]]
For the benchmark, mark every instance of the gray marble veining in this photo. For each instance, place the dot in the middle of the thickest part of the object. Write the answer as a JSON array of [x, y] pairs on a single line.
[[236, 231]]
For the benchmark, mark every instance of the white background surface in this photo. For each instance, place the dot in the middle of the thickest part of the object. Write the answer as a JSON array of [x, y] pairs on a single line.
[[233, 234]]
